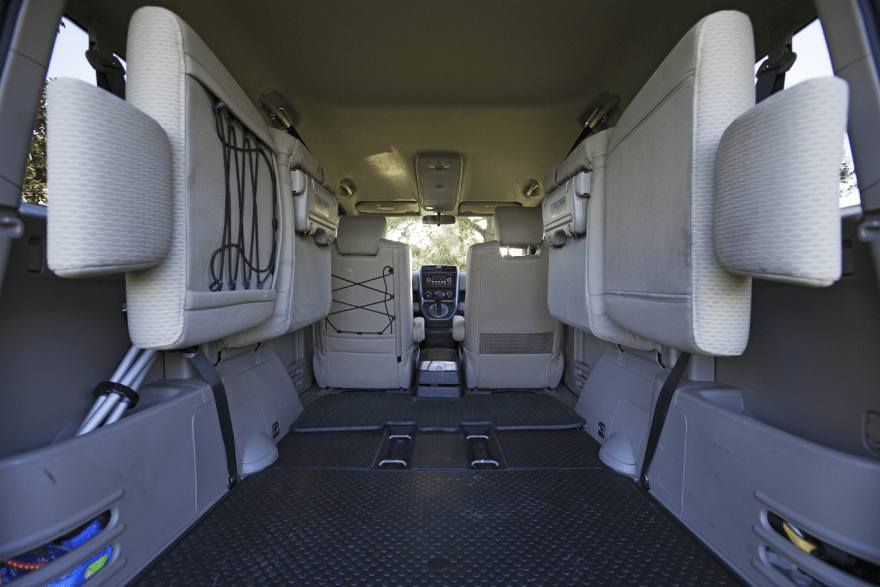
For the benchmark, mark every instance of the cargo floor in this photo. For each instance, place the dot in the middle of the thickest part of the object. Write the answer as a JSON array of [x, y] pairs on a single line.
[[560, 519], [371, 410]]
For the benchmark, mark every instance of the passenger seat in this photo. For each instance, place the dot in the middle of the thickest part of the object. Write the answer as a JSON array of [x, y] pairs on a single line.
[[366, 342], [510, 340]]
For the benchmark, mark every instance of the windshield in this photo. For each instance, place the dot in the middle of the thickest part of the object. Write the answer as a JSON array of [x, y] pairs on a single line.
[[440, 245]]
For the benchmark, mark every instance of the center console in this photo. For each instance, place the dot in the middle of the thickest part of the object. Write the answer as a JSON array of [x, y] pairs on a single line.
[[438, 375], [438, 292]]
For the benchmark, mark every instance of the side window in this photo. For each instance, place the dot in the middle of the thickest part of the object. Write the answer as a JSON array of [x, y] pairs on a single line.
[[68, 60], [813, 60]]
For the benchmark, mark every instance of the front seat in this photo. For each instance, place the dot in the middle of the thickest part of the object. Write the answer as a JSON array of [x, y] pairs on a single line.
[[510, 340], [366, 341]]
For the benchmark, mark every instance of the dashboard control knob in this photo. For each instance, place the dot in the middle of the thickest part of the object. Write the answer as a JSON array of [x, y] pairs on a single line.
[[429, 295]]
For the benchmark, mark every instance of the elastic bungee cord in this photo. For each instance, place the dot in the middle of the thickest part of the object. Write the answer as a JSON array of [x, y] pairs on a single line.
[[386, 297], [246, 175]]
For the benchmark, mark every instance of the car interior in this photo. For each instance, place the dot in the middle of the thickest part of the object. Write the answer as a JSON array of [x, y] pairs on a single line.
[[328, 292]]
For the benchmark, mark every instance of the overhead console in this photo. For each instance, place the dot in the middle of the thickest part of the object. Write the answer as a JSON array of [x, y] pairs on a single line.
[[439, 177], [438, 293]]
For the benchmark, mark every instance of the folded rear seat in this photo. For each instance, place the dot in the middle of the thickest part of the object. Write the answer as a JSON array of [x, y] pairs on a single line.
[[574, 225], [704, 191], [687, 224], [146, 186], [650, 245], [311, 214]]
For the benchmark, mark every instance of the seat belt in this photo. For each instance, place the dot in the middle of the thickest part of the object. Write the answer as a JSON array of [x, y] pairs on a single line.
[[109, 73], [594, 120], [207, 370], [771, 74], [660, 411]]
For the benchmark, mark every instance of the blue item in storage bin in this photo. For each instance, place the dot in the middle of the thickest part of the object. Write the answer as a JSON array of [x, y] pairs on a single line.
[[25, 563], [81, 574]]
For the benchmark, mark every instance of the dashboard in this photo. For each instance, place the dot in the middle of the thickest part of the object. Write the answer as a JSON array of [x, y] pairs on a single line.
[[438, 292]]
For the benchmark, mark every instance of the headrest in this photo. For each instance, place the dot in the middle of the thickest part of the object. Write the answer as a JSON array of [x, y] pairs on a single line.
[[777, 212], [588, 155], [519, 227], [110, 179], [359, 235]]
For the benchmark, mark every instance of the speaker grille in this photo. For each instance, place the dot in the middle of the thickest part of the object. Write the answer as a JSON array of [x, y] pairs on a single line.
[[516, 343]]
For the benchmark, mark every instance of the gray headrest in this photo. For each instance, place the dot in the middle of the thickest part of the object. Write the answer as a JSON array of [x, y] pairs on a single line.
[[519, 227], [359, 235]]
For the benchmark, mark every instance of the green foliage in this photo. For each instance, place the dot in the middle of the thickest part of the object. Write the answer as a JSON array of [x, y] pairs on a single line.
[[34, 189], [849, 186], [440, 245]]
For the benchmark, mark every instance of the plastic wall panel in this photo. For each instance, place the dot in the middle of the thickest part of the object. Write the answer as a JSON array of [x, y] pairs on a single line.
[[58, 338], [723, 470], [583, 351], [618, 376], [149, 485], [256, 374], [813, 360]]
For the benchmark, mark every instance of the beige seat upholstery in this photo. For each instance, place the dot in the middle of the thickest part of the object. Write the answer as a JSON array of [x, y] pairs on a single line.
[[705, 191], [510, 339], [310, 217], [662, 278], [174, 78], [574, 224], [366, 341], [161, 198]]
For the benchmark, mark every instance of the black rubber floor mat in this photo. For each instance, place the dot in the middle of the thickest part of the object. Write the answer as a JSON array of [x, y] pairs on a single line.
[[369, 410], [549, 449], [330, 527], [350, 450], [521, 449], [439, 450]]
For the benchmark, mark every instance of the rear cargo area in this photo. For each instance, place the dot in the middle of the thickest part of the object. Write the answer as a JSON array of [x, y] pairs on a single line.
[[380, 488]]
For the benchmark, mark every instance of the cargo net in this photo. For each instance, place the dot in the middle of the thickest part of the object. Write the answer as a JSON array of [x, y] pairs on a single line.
[[240, 244], [370, 307], [516, 343]]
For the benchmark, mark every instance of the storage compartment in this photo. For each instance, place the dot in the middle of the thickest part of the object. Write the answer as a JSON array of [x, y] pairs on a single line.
[[725, 473], [438, 374], [170, 470]]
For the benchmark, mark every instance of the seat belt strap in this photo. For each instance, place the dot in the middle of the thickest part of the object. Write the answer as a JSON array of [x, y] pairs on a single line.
[[771, 75], [109, 73], [660, 411], [598, 116], [206, 370], [587, 131]]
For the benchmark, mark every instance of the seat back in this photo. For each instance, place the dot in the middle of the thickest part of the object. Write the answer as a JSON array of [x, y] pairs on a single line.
[[706, 190], [662, 278], [310, 213], [574, 224], [366, 340], [511, 341], [203, 289]]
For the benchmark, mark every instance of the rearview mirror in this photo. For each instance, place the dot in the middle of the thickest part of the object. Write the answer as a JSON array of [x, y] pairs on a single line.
[[438, 219]]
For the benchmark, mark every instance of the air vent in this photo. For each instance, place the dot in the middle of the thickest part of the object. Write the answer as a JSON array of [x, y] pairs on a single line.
[[439, 177]]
